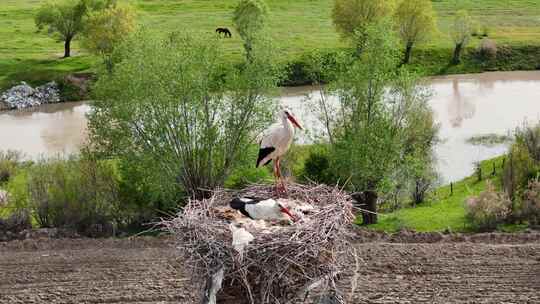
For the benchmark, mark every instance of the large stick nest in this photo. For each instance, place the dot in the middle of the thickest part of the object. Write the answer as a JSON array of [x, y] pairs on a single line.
[[277, 266]]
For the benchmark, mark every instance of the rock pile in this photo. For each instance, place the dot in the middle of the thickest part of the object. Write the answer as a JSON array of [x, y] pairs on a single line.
[[24, 96]]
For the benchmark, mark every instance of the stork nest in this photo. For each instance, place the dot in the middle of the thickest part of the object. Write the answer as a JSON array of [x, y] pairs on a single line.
[[277, 266]]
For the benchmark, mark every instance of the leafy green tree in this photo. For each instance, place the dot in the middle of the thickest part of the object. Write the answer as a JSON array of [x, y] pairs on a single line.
[[374, 130], [461, 33], [107, 28], [177, 105], [249, 18], [66, 18], [416, 21], [352, 17]]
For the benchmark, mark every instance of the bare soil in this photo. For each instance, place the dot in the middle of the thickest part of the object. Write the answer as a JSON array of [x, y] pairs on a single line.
[[487, 268]]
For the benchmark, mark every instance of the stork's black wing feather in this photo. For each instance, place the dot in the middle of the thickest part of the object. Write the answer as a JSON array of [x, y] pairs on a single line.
[[264, 152]]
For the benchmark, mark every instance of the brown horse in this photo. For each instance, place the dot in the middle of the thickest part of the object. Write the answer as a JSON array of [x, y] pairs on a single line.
[[225, 31]]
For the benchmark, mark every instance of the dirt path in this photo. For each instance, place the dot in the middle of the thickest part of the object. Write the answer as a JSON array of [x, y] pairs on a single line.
[[144, 270]]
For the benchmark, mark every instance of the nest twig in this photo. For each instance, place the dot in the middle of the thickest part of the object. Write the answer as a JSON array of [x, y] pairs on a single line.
[[275, 267]]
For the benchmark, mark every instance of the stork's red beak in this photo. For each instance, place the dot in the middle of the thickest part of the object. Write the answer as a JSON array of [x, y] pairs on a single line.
[[286, 211], [294, 121]]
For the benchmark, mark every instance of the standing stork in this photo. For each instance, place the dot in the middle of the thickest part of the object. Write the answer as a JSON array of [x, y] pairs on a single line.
[[275, 143]]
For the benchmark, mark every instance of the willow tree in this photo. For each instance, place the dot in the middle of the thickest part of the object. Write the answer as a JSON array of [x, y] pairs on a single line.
[[177, 106], [63, 19], [249, 19], [461, 32], [352, 17], [373, 131], [416, 21], [105, 29]]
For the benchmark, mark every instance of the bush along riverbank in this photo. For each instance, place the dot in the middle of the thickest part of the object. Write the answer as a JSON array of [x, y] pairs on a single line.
[[503, 194], [305, 69], [428, 61]]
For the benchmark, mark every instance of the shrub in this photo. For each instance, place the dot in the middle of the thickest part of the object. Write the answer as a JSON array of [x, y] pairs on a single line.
[[488, 209], [69, 91], [177, 106], [105, 29], [523, 161], [249, 18], [530, 137], [9, 162], [76, 194], [243, 176], [145, 193], [531, 203], [245, 172], [16, 222], [317, 167], [416, 22], [461, 32], [487, 49], [312, 68], [352, 18]]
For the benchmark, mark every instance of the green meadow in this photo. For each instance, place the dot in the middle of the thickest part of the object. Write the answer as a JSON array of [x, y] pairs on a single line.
[[445, 210], [297, 27]]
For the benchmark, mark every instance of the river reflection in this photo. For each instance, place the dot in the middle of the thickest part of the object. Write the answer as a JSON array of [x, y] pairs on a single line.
[[46, 131], [459, 107], [464, 106]]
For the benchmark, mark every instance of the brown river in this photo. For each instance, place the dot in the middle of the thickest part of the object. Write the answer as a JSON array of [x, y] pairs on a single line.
[[464, 106]]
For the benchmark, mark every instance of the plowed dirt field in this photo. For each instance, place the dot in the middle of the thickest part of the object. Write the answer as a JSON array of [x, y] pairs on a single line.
[[145, 270]]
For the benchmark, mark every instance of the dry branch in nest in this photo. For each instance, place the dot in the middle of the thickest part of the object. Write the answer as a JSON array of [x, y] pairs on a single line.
[[281, 263]]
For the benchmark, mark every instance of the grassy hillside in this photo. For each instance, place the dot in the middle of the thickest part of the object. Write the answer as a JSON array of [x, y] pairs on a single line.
[[443, 211], [298, 26]]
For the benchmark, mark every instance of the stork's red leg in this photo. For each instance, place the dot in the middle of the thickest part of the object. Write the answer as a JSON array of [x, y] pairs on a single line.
[[276, 176], [281, 182]]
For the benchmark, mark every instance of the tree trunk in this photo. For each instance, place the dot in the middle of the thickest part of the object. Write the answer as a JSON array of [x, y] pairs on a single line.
[[67, 47], [367, 201], [408, 52], [457, 53]]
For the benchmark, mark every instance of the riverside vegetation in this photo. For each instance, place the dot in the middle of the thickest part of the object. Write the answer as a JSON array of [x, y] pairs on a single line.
[[175, 116]]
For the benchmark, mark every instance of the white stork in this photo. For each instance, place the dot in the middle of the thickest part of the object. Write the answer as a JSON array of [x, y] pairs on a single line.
[[275, 143], [261, 209]]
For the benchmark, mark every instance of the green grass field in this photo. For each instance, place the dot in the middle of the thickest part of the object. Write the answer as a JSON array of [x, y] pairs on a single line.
[[297, 27], [444, 211]]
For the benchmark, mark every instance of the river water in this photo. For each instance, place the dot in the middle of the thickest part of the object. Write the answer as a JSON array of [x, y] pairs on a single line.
[[464, 106]]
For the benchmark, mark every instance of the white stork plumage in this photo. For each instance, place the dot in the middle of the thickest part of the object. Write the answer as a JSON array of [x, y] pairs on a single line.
[[240, 239], [261, 209], [276, 142]]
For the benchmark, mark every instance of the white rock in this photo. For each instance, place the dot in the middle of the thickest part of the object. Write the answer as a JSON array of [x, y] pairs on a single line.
[[24, 96]]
